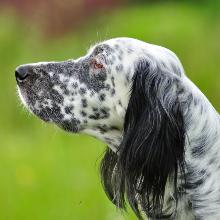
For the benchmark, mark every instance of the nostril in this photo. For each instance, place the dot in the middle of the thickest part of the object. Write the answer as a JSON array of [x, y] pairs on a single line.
[[21, 74]]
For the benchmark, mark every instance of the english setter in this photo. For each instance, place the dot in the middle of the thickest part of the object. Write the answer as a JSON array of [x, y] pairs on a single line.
[[163, 134]]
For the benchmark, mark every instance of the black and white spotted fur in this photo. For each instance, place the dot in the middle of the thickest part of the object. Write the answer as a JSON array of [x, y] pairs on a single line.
[[162, 132]]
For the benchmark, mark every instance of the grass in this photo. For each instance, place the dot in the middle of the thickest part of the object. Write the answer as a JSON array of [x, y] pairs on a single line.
[[48, 174]]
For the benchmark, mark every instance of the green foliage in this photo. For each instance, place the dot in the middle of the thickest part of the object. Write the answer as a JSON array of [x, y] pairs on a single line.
[[48, 174]]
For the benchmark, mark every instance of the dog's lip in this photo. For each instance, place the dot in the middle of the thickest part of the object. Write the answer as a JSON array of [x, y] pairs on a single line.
[[21, 83]]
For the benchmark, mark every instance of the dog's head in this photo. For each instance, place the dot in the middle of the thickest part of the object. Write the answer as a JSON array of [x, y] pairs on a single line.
[[89, 94], [125, 92]]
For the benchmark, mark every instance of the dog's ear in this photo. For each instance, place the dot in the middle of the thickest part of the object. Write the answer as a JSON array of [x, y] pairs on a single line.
[[152, 149]]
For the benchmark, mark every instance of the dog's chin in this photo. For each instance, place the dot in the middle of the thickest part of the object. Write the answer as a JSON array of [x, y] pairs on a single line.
[[71, 129], [41, 115], [69, 126]]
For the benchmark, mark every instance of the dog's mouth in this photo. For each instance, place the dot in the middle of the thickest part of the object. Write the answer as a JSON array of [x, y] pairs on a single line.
[[45, 111], [30, 101]]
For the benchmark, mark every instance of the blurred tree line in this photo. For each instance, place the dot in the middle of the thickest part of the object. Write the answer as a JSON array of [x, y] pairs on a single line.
[[57, 17]]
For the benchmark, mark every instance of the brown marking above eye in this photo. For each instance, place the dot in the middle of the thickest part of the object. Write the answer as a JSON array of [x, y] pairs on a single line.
[[97, 65]]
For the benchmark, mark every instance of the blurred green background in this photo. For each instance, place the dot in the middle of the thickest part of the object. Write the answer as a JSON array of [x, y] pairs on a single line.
[[44, 172]]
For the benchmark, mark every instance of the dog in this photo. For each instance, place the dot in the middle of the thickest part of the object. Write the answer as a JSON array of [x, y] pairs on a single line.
[[163, 135]]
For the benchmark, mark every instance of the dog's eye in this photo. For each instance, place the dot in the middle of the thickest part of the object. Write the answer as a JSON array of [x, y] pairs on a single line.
[[97, 65]]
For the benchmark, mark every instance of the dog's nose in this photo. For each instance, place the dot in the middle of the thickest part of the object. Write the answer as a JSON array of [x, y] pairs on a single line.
[[21, 73]]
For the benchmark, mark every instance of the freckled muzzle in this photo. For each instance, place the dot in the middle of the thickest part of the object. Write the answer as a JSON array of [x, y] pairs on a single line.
[[42, 91]]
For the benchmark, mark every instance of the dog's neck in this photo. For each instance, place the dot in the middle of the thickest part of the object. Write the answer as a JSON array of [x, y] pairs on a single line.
[[112, 137], [110, 131], [202, 124]]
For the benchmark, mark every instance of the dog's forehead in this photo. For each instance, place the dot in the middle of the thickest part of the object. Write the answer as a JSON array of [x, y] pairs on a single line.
[[112, 46]]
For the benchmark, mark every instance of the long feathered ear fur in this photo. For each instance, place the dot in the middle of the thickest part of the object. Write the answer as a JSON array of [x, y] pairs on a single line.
[[152, 149]]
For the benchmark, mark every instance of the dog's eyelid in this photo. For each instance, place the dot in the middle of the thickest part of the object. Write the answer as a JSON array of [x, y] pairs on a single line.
[[102, 58]]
